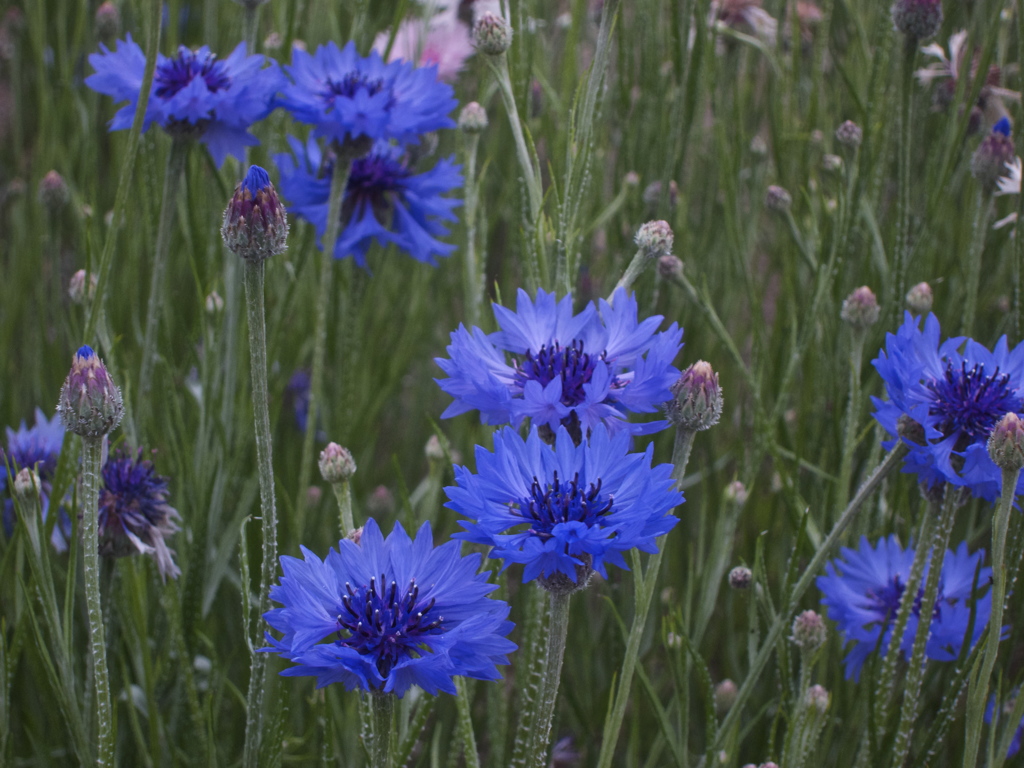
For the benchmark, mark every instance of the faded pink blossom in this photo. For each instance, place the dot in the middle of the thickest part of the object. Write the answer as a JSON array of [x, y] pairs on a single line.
[[442, 41]]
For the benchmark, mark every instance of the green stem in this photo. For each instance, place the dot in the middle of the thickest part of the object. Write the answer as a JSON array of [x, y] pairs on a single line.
[[473, 287], [250, 23], [529, 676], [462, 702], [346, 153], [253, 275], [343, 493], [852, 417], [681, 454], [92, 451], [978, 695], [558, 628], [903, 153], [783, 618], [915, 673], [979, 228], [382, 706], [168, 206], [635, 268]]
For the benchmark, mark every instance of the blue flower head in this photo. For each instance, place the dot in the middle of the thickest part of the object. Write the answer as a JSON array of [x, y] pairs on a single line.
[[862, 591], [37, 447], [194, 93], [389, 613], [1008, 705], [559, 368], [957, 390], [385, 199], [563, 510], [134, 514], [346, 96]]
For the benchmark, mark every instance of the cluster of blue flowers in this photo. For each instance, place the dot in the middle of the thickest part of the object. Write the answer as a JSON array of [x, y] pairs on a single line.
[[345, 97]]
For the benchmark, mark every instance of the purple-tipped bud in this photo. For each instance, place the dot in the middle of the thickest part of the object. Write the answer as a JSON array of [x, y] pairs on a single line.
[[849, 134], [77, 289], [492, 34], [989, 160], [809, 631], [817, 698], [740, 577], [736, 493], [917, 19], [655, 239], [1006, 443], [53, 192], [255, 224], [670, 267], [90, 405], [777, 199], [725, 696], [860, 309], [107, 21], [698, 398], [919, 299], [473, 118], [26, 484], [336, 464]]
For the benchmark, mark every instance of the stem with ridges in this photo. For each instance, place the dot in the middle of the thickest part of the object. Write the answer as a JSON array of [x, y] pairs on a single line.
[[250, 23], [168, 206], [533, 662], [635, 268], [462, 702], [979, 228], [92, 451], [558, 628], [976, 699], [903, 152], [343, 493], [253, 275], [382, 706], [474, 282], [852, 417]]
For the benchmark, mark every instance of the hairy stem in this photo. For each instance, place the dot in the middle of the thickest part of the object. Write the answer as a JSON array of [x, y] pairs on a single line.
[[558, 628]]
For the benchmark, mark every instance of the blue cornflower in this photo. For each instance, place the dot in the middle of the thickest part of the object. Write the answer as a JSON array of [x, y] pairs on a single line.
[[194, 93], [564, 509], [134, 514], [37, 447], [574, 370], [394, 612], [862, 591], [957, 390], [385, 199], [1014, 747], [346, 96]]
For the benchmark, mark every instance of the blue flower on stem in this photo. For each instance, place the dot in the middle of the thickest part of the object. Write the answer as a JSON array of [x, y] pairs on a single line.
[[558, 368], [564, 509], [862, 591], [394, 612], [385, 199], [194, 93], [957, 390], [134, 514], [346, 96], [37, 447]]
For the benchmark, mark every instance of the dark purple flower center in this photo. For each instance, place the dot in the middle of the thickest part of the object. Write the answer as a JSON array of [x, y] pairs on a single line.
[[571, 364], [557, 502], [174, 74], [134, 496], [968, 402], [380, 621], [886, 601], [351, 84], [375, 181]]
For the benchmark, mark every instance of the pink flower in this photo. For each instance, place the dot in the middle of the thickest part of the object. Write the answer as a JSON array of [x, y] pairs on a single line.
[[442, 41]]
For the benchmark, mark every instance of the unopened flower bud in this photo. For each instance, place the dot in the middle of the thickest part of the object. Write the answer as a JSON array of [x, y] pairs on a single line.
[[214, 303], [90, 404], [860, 309], [53, 192], [777, 199], [26, 484], [740, 577], [918, 19], [77, 289], [1006, 443], [670, 267], [849, 134], [492, 34], [736, 493], [817, 698], [336, 464], [698, 398], [919, 299], [809, 631], [107, 21], [655, 239], [255, 224], [433, 450], [831, 163], [473, 118], [989, 160], [725, 696]]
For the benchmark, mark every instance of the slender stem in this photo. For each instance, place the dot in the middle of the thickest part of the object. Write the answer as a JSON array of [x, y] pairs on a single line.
[[253, 274], [469, 749], [473, 287], [978, 695], [339, 180], [915, 673], [382, 706], [635, 268], [250, 23], [343, 493], [558, 628], [168, 206], [681, 454], [852, 417], [92, 451], [529, 676], [903, 153], [783, 618], [979, 228]]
